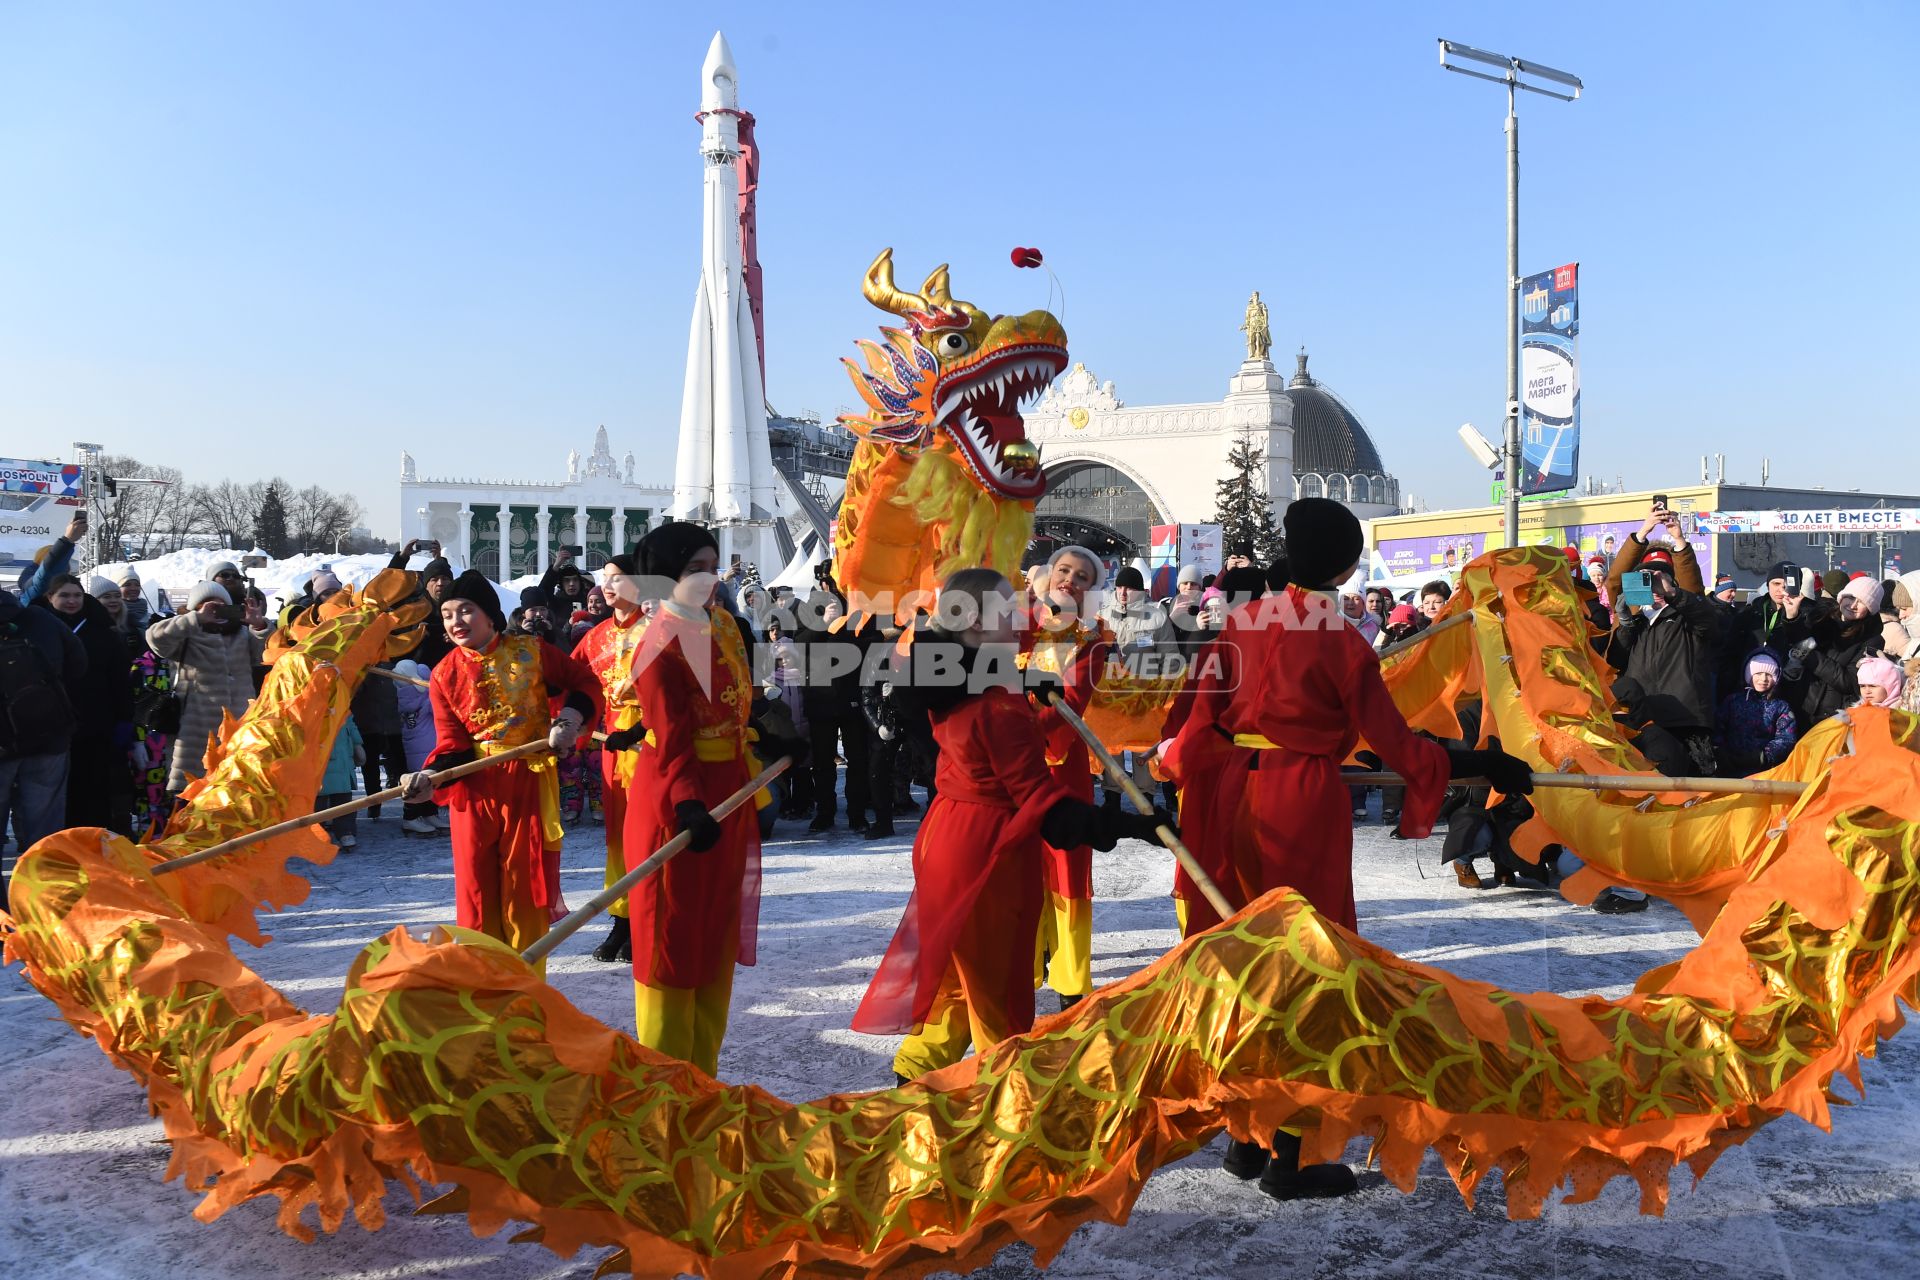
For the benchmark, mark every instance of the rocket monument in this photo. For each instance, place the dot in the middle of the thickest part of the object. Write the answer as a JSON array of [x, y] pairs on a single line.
[[723, 475]]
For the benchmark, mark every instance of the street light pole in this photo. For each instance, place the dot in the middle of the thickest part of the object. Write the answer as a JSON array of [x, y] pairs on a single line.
[[1512, 441], [1515, 74]]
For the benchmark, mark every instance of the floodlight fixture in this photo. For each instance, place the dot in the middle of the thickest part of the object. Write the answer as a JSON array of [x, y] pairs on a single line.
[[1516, 73], [1479, 446]]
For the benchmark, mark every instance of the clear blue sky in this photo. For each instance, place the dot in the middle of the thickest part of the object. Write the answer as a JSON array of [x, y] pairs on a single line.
[[293, 238]]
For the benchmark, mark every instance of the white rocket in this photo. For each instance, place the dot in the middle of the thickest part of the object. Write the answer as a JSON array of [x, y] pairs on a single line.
[[724, 470]]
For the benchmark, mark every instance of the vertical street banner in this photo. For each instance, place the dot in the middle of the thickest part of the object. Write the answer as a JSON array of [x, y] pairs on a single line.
[[36, 501], [1550, 380]]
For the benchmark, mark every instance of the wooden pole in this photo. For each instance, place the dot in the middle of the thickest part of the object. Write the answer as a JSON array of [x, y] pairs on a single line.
[[576, 920], [1651, 782], [396, 677], [1214, 897], [440, 778], [1445, 624]]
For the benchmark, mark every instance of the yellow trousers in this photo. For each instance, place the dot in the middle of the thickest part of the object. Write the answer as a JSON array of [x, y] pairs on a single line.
[[685, 1022], [1180, 915], [1065, 935], [963, 1014]]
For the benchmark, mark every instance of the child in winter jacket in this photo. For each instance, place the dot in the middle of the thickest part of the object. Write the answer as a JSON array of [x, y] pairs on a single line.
[[1755, 729], [422, 817], [336, 785]]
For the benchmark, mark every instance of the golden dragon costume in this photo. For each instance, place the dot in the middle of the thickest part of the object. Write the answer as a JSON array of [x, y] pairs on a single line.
[[450, 1061], [944, 476]]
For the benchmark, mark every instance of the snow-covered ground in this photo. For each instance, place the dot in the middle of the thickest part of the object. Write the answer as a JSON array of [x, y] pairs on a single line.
[[81, 1190]]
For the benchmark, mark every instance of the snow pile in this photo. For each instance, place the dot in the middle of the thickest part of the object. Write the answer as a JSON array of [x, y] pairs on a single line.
[[279, 580]]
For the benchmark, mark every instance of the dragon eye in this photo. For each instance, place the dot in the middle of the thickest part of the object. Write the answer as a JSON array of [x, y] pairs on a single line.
[[953, 344]]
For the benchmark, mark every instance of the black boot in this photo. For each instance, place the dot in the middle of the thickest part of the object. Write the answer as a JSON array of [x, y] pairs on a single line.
[[1285, 1179], [879, 828], [822, 821], [618, 944], [1067, 1002], [1245, 1159], [900, 1081]]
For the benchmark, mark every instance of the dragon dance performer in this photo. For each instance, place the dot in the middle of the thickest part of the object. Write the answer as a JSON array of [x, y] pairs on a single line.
[[956, 972], [695, 918], [608, 651], [493, 692], [1293, 692], [1067, 641]]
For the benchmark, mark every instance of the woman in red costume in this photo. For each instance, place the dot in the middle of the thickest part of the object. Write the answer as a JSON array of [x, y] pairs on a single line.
[[608, 651], [494, 692], [1070, 643], [1294, 692], [958, 969], [695, 918]]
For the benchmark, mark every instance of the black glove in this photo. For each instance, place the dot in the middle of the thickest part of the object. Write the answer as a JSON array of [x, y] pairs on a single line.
[[624, 739], [1045, 686], [1509, 775], [1075, 822], [692, 817]]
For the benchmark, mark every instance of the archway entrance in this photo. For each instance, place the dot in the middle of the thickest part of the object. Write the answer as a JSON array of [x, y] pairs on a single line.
[[1099, 507], [1050, 533]]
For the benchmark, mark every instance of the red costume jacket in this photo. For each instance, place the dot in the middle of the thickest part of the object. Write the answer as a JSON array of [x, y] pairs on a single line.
[[608, 651], [1293, 690], [1077, 655], [976, 864], [695, 692], [508, 824]]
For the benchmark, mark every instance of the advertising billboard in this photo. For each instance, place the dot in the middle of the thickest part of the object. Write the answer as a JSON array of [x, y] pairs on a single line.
[[36, 500], [1550, 380]]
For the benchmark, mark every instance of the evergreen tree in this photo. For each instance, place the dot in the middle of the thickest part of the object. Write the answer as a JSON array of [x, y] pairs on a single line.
[[1241, 506], [270, 526]]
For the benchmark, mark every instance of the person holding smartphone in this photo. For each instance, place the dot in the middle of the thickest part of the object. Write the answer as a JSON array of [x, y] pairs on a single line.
[[214, 646]]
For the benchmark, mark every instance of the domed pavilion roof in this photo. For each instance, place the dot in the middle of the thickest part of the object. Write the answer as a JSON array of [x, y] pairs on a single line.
[[1328, 437]]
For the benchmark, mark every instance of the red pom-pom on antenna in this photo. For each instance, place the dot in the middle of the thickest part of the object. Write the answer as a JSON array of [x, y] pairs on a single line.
[[1026, 257]]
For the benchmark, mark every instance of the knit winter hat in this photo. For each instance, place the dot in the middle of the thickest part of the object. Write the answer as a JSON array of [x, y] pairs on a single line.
[[1762, 662], [324, 581], [476, 588], [409, 668], [219, 567], [205, 591], [1906, 590], [1865, 590], [1401, 616], [1129, 577], [1888, 675], [1833, 580], [128, 575], [1784, 571], [1657, 558], [1324, 541], [98, 586], [1189, 573], [665, 551], [436, 568]]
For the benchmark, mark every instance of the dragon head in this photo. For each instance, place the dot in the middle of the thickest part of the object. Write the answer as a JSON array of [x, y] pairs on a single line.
[[956, 376]]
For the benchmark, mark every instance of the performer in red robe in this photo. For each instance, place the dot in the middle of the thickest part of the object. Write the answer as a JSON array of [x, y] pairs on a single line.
[[957, 971], [695, 918], [608, 651], [493, 692], [1068, 641], [1295, 691]]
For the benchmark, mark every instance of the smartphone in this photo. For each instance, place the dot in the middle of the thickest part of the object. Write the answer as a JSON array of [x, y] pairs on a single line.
[[233, 613], [1792, 587], [1659, 502], [575, 551], [1636, 589]]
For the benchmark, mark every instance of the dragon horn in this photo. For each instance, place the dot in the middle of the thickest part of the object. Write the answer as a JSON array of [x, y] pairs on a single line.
[[878, 288], [938, 289]]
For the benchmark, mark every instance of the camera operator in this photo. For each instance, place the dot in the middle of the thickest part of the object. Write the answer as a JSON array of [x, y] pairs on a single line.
[[213, 646], [1671, 647]]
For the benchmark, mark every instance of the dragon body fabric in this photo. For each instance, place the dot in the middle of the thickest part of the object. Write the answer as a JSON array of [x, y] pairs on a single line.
[[944, 476], [450, 1061]]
